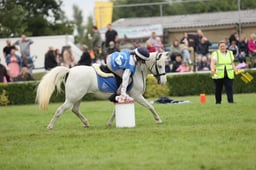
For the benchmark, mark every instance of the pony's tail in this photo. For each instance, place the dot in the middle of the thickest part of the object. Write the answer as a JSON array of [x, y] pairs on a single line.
[[47, 85]]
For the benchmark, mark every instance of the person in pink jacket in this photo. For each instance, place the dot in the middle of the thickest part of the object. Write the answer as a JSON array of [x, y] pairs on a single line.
[[252, 49], [184, 67]]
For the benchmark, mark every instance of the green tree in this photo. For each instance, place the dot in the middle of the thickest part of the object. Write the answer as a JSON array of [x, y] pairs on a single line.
[[12, 19], [177, 8], [83, 31], [34, 18], [135, 11], [78, 22], [89, 26]]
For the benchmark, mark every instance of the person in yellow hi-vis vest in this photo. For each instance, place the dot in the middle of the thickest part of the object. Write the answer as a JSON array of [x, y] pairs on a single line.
[[222, 70]]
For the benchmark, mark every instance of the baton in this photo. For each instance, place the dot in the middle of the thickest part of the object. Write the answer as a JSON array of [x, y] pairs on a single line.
[[245, 76]]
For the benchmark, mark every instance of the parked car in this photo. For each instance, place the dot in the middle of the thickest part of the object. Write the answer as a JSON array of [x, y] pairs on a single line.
[[213, 47]]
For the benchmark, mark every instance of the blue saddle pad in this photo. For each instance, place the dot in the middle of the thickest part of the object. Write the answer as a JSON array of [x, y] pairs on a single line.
[[109, 84]]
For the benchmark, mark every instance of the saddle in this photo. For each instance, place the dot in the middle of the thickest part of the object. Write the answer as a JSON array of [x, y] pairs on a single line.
[[102, 70]]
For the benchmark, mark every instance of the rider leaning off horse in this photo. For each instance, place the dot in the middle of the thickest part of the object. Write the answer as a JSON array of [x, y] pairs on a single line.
[[123, 64]]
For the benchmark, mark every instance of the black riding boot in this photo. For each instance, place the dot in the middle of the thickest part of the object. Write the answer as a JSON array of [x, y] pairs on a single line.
[[112, 98]]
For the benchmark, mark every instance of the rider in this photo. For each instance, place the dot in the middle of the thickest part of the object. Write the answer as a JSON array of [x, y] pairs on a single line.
[[123, 65]]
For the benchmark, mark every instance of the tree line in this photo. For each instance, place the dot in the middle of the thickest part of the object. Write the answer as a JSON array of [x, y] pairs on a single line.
[[177, 7], [38, 18], [33, 18]]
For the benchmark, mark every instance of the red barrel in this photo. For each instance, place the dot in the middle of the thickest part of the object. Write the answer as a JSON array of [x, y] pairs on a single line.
[[202, 98]]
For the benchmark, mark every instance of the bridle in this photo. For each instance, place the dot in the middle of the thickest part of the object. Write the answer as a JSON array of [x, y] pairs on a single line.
[[157, 75]]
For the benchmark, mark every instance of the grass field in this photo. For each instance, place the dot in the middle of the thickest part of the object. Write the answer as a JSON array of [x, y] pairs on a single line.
[[193, 136]]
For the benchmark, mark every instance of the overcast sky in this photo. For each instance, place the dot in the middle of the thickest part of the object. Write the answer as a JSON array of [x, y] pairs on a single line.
[[87, 6]]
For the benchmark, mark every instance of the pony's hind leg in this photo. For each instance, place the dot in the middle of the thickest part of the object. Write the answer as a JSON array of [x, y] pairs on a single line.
[[58, 112], [77, 112]]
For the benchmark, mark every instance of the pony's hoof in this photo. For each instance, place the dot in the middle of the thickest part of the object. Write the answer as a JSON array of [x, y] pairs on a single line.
[[109, 124], [49, 127], [86, 126], [159, 121]]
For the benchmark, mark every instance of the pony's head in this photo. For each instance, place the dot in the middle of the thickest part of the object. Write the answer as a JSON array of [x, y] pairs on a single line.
[[156, 65]]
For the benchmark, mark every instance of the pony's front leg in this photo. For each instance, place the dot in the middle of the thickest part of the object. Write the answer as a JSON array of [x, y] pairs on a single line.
[[141, 100], [110, 121]]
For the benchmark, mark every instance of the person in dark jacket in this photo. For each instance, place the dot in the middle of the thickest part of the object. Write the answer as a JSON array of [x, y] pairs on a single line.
[[7, 48], [50, 59], [112, 48], [234, 37], [85, 59], [203, 47], [177, 63], [243, 49], [4, 74]]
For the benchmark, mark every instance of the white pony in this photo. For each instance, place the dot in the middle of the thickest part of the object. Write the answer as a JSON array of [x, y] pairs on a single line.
[[81, 80]]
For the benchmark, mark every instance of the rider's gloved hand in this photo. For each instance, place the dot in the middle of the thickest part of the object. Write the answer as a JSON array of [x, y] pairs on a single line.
[[124, 97]]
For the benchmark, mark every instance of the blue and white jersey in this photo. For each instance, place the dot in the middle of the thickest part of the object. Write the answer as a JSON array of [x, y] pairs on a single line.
[[122, 60]]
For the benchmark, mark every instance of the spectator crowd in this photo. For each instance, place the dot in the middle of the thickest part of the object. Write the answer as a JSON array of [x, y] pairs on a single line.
[[18, 60], [198, 54], [184, 53]]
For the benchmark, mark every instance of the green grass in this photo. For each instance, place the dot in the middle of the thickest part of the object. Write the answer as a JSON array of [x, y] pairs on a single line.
[[193, 136], [38, 76]]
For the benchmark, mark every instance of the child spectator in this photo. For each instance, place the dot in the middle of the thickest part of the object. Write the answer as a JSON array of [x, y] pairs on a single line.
[[167, 66], [203, 65], [184, 67], [24, 75], [176, 63]]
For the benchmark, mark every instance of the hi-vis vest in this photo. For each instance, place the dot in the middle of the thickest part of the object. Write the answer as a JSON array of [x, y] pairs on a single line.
[[222, 62]]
